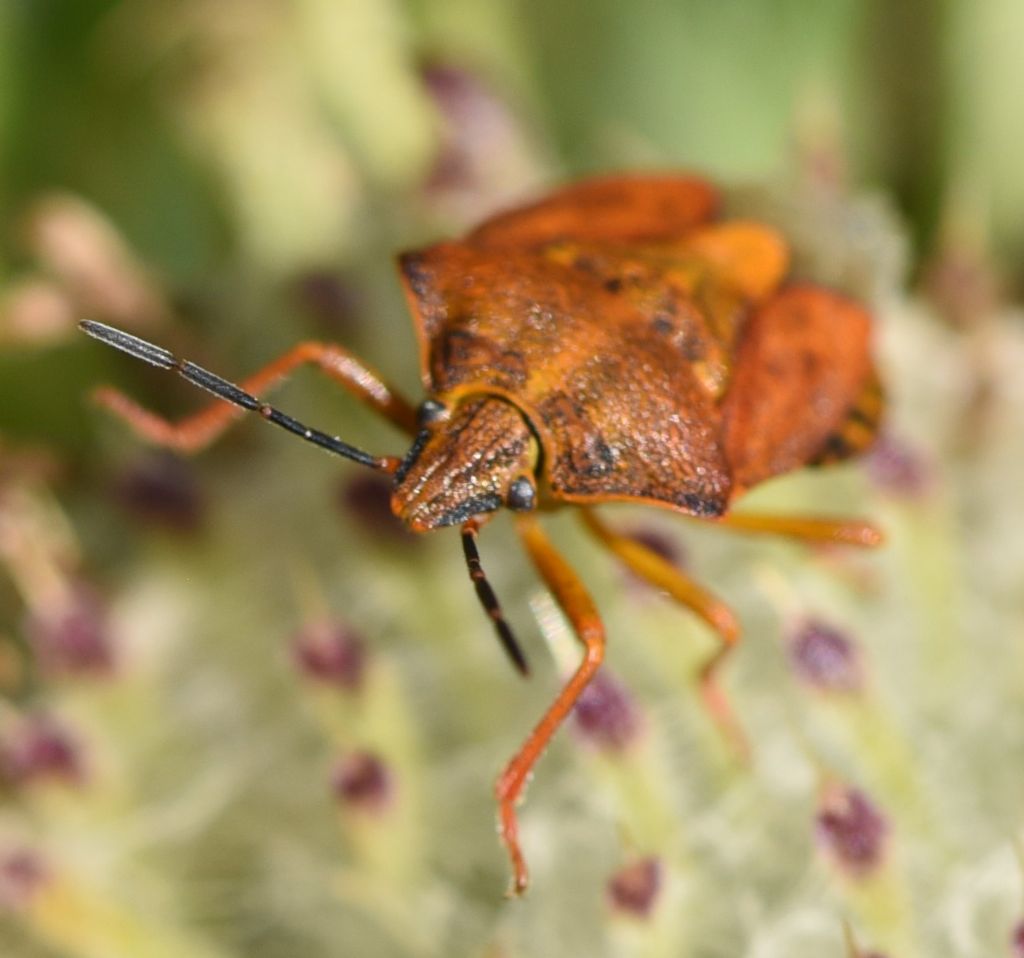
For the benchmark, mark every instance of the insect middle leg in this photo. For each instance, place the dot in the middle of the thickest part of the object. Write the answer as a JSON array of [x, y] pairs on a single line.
[[201, 429], [577, 604], [661, 574]]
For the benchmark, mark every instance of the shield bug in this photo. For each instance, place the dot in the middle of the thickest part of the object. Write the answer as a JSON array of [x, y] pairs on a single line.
[[615, 341]]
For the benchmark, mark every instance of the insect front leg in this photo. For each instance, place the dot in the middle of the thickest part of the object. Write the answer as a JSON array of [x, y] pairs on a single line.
[[658, 572], [575, 601], [201, 429]]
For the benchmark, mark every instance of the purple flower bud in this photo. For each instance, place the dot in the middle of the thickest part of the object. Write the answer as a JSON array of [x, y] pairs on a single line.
[[468, 110], [897, 468], [22, 874], [825, 658], [962, 284], [662, 545], [1017, 940], [329, 299], [362, 782], [605, 715], [366, 497], [37, 748], [331, 653], [484, 158], [634, 889], [71, 638], [659, 543], [852, 830], [161, 489]]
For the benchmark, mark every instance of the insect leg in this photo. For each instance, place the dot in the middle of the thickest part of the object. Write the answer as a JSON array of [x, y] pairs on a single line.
[[661, 574], [849, 532], [199, 430], [571, 595]]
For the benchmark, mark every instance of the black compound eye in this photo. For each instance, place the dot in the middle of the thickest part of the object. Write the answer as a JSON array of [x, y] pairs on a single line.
[[522, 495], [431, 411]]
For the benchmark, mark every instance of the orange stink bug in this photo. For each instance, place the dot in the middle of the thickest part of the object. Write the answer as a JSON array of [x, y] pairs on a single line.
[[612, 342]]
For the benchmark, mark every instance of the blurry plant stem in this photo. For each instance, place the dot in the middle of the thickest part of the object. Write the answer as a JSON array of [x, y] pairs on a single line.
[[37, 547], [883, 903], [882, 900], [923, 542], [391, 844], [69, 916]]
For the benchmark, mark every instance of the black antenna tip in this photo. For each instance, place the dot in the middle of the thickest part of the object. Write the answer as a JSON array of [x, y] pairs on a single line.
[[132, 345]]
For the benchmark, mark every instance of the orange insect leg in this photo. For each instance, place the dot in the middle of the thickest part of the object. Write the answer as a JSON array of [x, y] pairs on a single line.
[[661, 574], [571, 595], [200, 430], [849, 532]]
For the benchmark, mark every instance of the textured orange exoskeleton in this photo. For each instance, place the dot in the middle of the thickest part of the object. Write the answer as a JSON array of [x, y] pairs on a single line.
[[612, 342]]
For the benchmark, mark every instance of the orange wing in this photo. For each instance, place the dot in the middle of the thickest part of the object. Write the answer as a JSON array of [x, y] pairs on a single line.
[[698, 288], [642, 342], [621, 209], [802, 365]]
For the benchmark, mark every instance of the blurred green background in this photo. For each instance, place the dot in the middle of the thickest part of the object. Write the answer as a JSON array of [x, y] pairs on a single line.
[[243, 713]]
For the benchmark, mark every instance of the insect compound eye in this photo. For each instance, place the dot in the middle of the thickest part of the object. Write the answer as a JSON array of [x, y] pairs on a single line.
[[431, 411], [522, 495]]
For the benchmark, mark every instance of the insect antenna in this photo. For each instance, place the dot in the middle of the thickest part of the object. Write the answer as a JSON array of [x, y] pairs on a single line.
[[204, 379], [489, 600]]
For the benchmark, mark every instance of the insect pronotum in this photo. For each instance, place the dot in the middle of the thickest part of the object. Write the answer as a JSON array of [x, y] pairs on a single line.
[[614, 341]]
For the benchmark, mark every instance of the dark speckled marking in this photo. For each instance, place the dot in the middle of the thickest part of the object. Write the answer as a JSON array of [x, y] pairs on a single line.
[[699, 506], [418, 277], [411, 456], [614, 284], [489, 502], [600, 458], [663, 325]]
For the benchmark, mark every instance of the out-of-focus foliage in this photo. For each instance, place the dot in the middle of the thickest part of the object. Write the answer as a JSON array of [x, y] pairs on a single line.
[[244, 713]]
